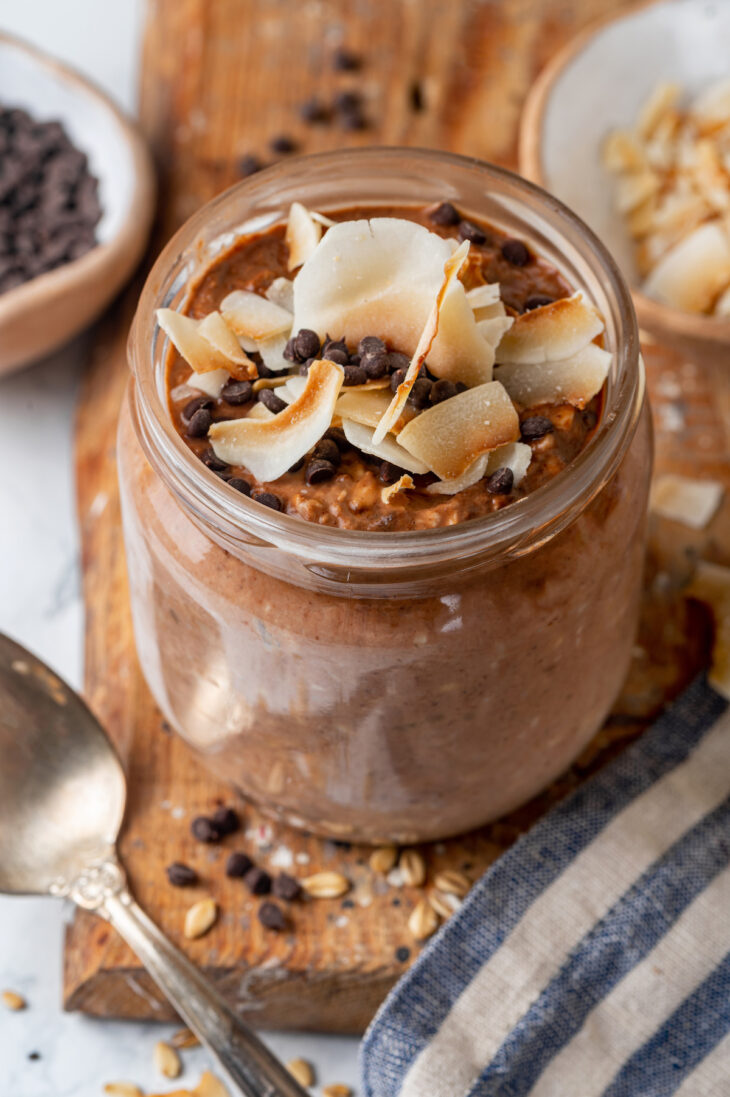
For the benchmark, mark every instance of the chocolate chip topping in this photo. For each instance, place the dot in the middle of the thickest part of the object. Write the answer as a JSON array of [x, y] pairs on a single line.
[[194, 405], [396, 360], [199, 423], [344, 60], [442, 390], [535, 427], [257, 881], [375, 365], [267, 499], [180, 875], [270, 400], [286, 887], [501, 482], [370, 344], [420, 394], [240, 484], [537, 301], [249, 165], [337, 435], [516, 253], [237, 392], [445, 214], [314, 112], [397, 378], [327, 450], [272, 917], [355, 375], [469, 231], [214, 463], [238, 864], [318, 471], [387, 473], [282, 144], [306, 344], [204, 829], [226, 819]]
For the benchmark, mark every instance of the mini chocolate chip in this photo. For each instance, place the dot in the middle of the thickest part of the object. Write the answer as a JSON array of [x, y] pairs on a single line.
[[339, 357], [461, 387], [286, 887], [327, 450], [396, 360], [267, 499], [249, 165], [257, 881], [589, 419], [355, 375], [194, 405], [270, 400], [180, 875], [402, 954], [238, 864], [387, 473], [348, 101], [318, 471], [355, 359], [344, 60], [304, 367], [199, 424], [353, 120], [204, 829], [370, 344], [347, 904], [240, 484], [501, 482], [469, 231], [445, 214], [306, 344], [537, 301], [417, 97], [264, 371], [237, 392], [282, 145], [296, 466], [34, 1056], [290, 350], [375, 364], [420, 394], [516, 253], [314, 112], [337, 435], [272, 917], [226, 819], [334, 344], [442, 390], [535, 427], [397, 379]]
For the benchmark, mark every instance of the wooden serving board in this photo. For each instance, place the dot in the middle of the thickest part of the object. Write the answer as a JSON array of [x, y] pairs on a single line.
[[219, 79]]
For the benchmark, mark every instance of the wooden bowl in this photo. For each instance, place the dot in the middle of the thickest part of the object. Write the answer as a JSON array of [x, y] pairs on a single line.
[[597, 83], [40, 315]]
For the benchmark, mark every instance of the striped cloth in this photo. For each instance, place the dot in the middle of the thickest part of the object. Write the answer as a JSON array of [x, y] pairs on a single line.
[[594, 957]]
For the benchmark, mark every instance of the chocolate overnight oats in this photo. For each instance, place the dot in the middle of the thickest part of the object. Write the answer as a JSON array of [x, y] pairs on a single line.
[[385, 525]]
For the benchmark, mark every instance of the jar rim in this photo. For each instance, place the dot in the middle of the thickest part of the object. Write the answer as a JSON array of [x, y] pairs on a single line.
[[509, 531]]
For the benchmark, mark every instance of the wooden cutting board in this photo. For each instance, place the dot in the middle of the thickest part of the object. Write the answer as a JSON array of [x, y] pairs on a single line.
[[219, 79]]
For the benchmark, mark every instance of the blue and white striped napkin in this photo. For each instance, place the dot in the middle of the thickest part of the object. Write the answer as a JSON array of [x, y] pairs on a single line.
[[594, 957]]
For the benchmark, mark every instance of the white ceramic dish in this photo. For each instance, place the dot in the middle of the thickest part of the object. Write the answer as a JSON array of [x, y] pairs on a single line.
[[596, 84], [40, 315]]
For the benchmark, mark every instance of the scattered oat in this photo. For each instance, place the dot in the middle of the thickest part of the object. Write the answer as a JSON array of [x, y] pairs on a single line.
[[338, 1089], [326, 885], [210, 1086], [13, 1000], [452, 882], [383, 859], [691, 502], [167, 1060], [200, 917], [184, 1039], [413, 868], [711, 585], [440, 904], [122, 1089], [302, 1071], [423, 920]]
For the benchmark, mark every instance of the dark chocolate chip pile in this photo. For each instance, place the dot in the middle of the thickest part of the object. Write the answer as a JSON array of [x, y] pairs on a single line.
[[49, 202]]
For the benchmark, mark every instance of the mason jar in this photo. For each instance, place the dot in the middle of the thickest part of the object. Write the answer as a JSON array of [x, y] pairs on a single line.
[[385, 686]]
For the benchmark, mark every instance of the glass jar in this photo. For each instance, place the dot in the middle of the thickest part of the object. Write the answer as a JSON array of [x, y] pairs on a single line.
[[385, 686]]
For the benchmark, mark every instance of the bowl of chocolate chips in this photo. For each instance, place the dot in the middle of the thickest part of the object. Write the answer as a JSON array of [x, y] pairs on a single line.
[[76, 202]]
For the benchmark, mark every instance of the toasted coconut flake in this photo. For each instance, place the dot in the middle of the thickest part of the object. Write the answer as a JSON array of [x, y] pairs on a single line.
[[377, 277], [662, 101], [403, 484], [272, 352], [184, 333], [254, 317], [693, 272], [292, 389], [691, 502], [451, 435], [494, 328], [210, 383], [303, 234], [388, 450], [711, 585], [574, 380], [452, 266], [722, 305], [515, 456], [711, 109], [462, 349], [215, 330], [632, 190], [268, 448], [260, 411], [368, 406], [281, 292], [551, 333], [621, 152], [473, 475], [483, 297]]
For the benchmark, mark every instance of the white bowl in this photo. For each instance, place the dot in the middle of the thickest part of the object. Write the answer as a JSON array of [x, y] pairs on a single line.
[[598, 83], [40, 315]]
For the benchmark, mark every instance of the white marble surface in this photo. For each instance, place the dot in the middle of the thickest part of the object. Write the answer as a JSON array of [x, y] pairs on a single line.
[[40, 606]]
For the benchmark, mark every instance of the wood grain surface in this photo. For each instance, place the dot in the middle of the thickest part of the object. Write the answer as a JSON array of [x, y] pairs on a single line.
[[219, 79]]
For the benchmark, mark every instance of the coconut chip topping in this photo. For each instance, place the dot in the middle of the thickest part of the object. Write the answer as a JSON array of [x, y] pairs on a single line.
[[672, 174], [362, 292]]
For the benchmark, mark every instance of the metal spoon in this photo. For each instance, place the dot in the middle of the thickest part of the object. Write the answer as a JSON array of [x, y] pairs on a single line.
[[62, 795]]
